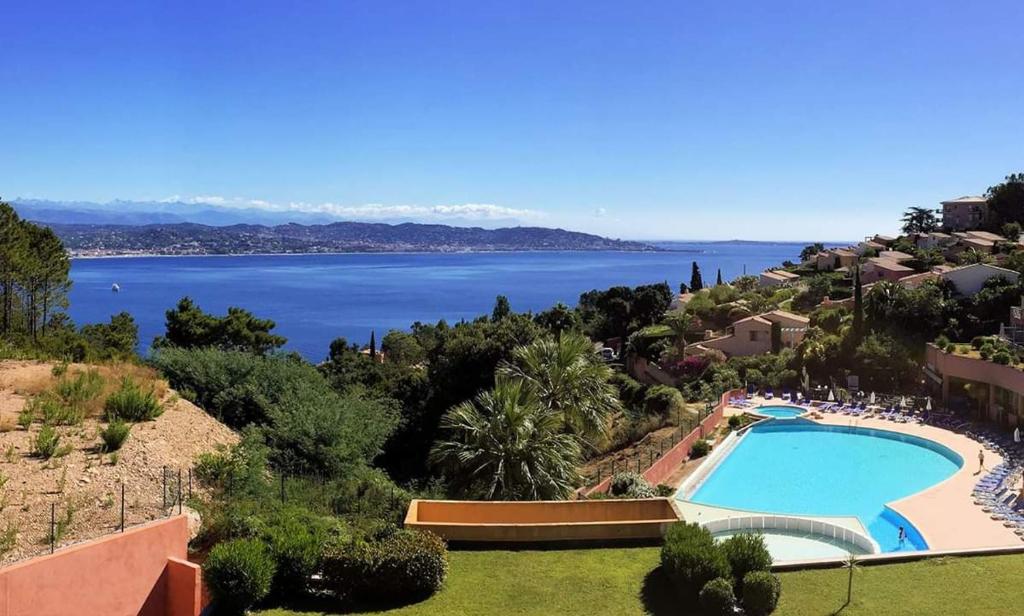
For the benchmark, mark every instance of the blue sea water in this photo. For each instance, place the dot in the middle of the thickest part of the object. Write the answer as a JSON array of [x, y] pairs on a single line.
[[316, 298], [799, 467]]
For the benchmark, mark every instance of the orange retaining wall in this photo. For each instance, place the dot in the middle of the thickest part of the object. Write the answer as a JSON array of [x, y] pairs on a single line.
[[539, 521], [142, 571], [664, 466]]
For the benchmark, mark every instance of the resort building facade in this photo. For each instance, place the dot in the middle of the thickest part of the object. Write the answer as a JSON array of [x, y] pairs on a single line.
[[964, 213], [777, 278], [988, 390]]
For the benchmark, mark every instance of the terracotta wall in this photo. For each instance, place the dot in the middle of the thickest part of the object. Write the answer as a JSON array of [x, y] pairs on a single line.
[[142, 571], [540, 521], [664, 466], [667, 464]]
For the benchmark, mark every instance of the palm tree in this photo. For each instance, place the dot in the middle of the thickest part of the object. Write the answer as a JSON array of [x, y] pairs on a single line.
[[568, 380], [851, 563], [504, 445]]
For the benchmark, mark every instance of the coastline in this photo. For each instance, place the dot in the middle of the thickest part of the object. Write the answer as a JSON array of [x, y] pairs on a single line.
[[370, 252]]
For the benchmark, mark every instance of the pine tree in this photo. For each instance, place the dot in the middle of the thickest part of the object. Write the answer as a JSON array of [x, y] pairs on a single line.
[[718, 282], [696, 282], [373, 344]]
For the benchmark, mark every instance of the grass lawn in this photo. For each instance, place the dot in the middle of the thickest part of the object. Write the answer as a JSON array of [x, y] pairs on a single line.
[[628, 581]]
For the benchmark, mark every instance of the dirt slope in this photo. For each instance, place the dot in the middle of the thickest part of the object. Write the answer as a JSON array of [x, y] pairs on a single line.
[[86, 481]]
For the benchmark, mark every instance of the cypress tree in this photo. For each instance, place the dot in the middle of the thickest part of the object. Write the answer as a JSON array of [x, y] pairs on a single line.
[[718, 282], [373, 344], [858, 309], [696, 282], [776, 337]]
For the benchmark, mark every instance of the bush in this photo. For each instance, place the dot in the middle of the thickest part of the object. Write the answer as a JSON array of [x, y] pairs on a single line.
[[114, 435], [692, 559], [296, 543], [664, 490], [46, 442], [735, 422], [699, 449], [717, 598], [746, 552], [761, 592], [132, 403], [662, 400], [238, 574], [630, 485], [1001, 357], [405, 565]]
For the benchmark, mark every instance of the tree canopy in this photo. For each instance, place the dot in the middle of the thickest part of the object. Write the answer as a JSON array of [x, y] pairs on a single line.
[[920, 220], [188, 327], [1006, 200]]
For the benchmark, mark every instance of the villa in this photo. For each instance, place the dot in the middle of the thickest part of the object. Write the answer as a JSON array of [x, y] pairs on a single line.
[[753, 335], [834, 259], [969, 279], [877, 269], [777, 278], [935, 240], [964, 213]]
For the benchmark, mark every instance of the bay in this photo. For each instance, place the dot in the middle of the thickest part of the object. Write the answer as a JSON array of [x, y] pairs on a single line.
[[316, 298]]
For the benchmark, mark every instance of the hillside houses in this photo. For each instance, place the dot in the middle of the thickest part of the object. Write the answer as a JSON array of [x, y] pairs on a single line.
[[753, 335]]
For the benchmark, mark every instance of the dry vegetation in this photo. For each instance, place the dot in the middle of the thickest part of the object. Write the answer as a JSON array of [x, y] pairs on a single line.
[[80, 478]]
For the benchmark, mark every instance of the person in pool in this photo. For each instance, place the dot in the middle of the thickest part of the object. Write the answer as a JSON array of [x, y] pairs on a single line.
[[903, 535]]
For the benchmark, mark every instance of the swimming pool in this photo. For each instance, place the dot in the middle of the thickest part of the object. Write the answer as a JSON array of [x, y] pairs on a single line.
[[803, 468], [779, 411]]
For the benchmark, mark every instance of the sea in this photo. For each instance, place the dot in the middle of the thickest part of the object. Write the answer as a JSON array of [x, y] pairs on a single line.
[[317, 298]]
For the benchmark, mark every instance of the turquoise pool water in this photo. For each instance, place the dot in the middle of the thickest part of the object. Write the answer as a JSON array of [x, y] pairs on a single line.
[[799, 467], [780, 412]]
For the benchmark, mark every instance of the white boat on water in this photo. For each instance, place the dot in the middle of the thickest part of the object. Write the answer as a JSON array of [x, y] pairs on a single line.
[[115, 288]]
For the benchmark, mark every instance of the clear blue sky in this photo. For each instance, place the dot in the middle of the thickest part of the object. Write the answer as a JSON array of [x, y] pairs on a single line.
[[759, 120]]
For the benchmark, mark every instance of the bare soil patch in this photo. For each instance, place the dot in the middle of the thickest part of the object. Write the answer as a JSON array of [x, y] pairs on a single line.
[[86, 481]]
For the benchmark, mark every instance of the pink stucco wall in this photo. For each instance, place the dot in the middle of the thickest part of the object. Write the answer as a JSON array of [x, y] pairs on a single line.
[[142, 571], [664, 466]]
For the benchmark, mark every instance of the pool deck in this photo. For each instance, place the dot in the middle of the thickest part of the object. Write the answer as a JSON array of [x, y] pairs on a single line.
[[945, 514]]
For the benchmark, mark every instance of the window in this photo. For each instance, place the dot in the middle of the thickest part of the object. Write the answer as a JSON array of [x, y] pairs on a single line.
[[753, 335]]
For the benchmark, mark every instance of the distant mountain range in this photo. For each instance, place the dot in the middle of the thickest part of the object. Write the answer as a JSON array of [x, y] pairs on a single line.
[[121, 212], [195, 239], [162, 228]]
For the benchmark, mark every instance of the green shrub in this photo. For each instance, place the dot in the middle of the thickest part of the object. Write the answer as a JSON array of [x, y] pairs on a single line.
[[84, 387], [664, 490], [986, 350], [735, 422], [662, 400], [132, 403], [296, 539], [691, 559], [238, 574], [26, 416], [761, 592], [46, 443], [717, 598], [1001, 357], [630, 485], [746, 552], [114, 435], [699, 449], [406, 565], [978, 341]]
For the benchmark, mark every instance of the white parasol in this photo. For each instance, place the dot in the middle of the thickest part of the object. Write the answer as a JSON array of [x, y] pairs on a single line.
[[831, 396]]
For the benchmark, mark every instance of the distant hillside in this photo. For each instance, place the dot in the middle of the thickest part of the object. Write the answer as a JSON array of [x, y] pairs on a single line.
[[196, 239]]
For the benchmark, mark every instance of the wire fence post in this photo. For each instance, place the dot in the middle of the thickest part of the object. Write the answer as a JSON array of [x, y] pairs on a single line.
[[163, 495], [190, 483], [53, 526], [122, 506], [179, 491]]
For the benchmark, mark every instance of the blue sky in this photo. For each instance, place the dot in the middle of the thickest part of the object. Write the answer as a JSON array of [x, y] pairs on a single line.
[[653, 120]]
